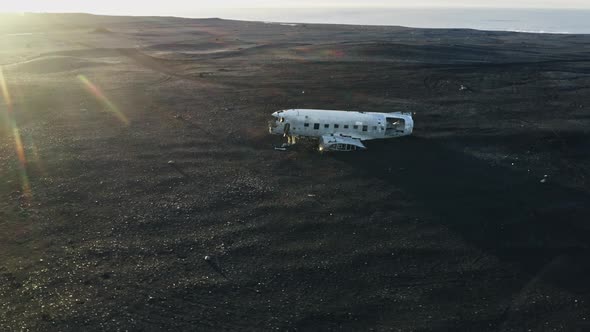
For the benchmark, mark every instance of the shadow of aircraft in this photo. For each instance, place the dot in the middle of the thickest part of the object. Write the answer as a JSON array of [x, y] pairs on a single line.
[[507, 213]]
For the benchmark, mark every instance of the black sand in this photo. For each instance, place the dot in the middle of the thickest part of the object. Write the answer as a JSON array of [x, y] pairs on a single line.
[[477, 222]]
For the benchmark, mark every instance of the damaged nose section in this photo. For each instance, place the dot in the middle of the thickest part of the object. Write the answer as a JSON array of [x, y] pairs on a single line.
[[274, 124]]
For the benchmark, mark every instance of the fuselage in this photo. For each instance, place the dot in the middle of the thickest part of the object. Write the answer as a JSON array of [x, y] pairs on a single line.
[[360, 125]]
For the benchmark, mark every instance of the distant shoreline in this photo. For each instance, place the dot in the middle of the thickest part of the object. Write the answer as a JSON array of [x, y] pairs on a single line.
[[566, 21], [538, 21]]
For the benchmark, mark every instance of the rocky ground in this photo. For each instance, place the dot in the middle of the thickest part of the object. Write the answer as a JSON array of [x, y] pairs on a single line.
[[139, 189]]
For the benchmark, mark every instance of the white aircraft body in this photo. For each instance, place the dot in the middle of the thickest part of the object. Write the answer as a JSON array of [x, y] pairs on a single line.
[[339, 130]]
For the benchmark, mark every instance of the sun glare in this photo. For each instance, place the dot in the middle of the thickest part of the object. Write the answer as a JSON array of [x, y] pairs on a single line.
[[95, 91], [18, 143]]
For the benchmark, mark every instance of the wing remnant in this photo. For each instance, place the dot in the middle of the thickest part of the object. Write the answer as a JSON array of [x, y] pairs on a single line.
[[338, 142]]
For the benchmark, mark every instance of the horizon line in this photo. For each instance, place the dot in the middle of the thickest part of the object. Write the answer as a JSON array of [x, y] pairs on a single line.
[[470, 7]]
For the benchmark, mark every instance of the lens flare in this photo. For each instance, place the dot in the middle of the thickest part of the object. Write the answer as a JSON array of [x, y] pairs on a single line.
[[20, 151], [100, 96], [18, 143], [332, 53], [5, 94]]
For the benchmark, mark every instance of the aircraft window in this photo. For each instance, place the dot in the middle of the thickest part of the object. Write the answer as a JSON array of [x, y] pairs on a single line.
[[306, 124], [355, 127], [316, 126], [345, 126], [336, 126], [326, 126], [365, 128]]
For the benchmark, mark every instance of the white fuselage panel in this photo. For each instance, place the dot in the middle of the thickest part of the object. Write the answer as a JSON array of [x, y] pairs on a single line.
[[360, 125]]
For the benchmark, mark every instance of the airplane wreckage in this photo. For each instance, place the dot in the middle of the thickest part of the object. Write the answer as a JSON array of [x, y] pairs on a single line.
[[339, 130]]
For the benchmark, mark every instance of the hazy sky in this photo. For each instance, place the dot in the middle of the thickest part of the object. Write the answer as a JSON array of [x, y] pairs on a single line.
[[177, 6]]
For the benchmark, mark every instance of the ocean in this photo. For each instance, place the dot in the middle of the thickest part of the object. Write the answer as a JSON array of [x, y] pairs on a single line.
[[568, 21]]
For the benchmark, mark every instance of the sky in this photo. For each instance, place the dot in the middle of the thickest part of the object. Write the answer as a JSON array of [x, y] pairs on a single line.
[[174, 7]]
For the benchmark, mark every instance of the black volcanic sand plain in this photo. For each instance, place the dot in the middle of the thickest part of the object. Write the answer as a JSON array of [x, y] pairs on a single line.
[[139, 188]]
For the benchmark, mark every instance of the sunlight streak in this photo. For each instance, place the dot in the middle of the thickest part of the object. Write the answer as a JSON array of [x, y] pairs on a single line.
[[100, 96], [4, 88], [18, 143], [20, 151]]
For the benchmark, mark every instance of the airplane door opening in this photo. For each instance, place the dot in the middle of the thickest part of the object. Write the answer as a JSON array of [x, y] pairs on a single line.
[[395, 126]]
